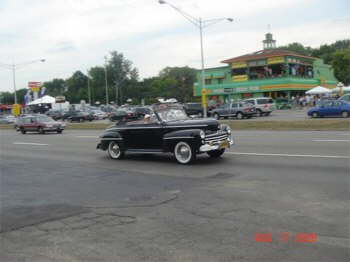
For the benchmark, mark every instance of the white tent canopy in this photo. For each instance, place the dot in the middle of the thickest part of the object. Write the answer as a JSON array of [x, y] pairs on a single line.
[[43, 100], [345, 89], [318, 90]]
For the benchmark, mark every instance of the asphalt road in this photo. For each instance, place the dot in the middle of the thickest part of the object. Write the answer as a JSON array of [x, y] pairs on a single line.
[[62, 200]]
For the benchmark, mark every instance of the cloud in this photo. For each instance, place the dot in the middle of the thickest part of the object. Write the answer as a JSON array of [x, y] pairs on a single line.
[[77, 34]]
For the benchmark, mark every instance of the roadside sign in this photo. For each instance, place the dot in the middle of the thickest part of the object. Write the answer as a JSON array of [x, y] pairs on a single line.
[[204, 91], [16, 109]]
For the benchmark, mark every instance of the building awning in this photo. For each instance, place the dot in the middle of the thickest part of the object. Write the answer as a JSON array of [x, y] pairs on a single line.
[[215, 75]]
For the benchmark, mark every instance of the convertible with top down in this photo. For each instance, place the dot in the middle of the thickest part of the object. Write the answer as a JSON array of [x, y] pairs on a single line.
[[167, 129]]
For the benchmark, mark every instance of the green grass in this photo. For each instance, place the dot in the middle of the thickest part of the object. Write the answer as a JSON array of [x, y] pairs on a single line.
[[308, 124]]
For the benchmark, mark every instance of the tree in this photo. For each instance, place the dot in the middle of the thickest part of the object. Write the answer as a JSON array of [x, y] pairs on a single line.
[[341, 65], [184, 78], [121, 74], [55, 87], [298, 48], [77, 87]]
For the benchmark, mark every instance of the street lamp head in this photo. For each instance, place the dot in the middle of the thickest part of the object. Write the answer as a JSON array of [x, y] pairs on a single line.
[[161, 2], [230, 19]]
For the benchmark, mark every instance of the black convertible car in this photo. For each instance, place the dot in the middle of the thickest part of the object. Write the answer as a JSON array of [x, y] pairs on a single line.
[[167, 129]]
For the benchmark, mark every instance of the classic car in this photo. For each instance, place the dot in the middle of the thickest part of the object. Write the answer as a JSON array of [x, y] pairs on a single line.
[[330, 108], [239, 110], [39, 123], [167, 129]]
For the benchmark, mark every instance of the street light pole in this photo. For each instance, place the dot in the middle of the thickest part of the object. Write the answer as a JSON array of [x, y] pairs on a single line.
[[14, 81], [13, 68], [200, 24], [107, 102]]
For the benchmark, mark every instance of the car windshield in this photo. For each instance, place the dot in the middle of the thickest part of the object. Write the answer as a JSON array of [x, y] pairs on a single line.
[[171, 112], [45, 119]]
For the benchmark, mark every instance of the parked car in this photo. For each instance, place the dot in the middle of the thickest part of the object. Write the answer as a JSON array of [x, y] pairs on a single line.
[[79, 116], [98, 114], [239, 110], [39, 123], [330, 108], [55, 114], [141, 111], [7, 119], [263, 105], [194, 109], [124, 114], [168, 129]]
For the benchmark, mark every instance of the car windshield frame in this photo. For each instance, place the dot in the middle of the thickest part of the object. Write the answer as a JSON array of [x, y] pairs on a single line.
[[169, 112]]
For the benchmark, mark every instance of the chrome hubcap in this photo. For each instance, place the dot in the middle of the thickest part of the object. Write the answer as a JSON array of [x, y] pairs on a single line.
[[183, 152], [114, 150]]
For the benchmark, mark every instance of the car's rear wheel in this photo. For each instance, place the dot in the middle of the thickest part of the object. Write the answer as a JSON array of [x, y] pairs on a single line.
[[314, 115], [267, 114], [259, 112], [23, 131], [216, 153], [216, 116], [59, 131], [114, 150], [184, 153], [41, 130], [239, 115], [200, 115], [345, 114]]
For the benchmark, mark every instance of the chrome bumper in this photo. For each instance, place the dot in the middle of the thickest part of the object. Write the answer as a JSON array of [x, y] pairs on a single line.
[[208, 147]]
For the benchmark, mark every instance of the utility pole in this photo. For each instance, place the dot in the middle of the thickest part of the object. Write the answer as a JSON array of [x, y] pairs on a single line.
[[107, 100]]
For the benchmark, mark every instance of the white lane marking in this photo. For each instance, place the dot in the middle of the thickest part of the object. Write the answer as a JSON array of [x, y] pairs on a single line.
[[31, 144], [330, 140], [87, 136], [288, 155], [345, 134]]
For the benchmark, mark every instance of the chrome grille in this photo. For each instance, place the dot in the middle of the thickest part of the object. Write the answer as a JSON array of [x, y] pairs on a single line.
[[216, 138]]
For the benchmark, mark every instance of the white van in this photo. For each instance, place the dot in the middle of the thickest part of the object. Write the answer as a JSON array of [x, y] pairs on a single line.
[[263, 105]]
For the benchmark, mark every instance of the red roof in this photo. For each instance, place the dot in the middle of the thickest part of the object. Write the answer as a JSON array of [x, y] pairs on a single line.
[[264, 54]]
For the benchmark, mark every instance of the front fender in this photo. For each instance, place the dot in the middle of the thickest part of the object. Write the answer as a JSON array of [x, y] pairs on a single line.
[[190, 136], [109, 136]]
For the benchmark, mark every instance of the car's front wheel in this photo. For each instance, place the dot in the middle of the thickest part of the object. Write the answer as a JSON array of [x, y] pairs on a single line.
[[239, 115], [314, 115], [345, 114], [59, 131], [184, 153], [41, 130], [216, 116], [23, 131], [216, 153], [114, 150]]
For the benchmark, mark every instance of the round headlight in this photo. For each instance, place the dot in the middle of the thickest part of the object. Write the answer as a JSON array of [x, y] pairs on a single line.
[[202, 134]]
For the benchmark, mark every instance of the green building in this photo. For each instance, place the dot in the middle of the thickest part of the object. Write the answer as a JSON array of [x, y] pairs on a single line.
[[269, 72]]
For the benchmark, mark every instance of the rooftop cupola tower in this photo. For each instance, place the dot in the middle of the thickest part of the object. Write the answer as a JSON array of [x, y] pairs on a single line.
[[269, 43]]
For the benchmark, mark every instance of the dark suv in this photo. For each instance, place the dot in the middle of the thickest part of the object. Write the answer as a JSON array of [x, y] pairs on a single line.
[[40, 123], [194, 109]]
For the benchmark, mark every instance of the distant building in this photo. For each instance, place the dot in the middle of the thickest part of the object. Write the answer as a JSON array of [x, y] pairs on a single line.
[[269, 72]]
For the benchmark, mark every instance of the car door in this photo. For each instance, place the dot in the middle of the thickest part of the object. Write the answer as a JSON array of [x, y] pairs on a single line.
[[326, 108], [233, 109], [337, 108], [141, 135]]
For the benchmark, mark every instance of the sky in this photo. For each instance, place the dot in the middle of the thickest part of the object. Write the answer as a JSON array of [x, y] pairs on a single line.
[[76, 34]]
